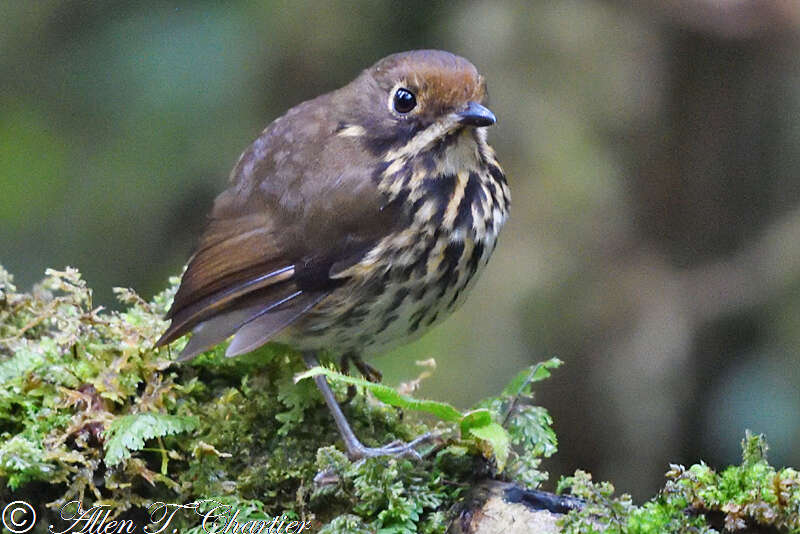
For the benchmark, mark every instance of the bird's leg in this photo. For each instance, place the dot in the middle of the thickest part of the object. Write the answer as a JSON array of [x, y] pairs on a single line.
[[344, 367], [369, 373], [355, 449]]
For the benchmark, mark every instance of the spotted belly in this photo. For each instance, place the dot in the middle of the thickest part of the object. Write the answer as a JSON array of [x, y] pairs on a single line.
[[400, 303], [456, 203]]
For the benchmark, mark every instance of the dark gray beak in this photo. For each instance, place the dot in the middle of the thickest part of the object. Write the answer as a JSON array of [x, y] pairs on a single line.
[[477, 115]]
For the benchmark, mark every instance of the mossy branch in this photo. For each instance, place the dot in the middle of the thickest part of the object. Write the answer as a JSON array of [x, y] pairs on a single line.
[[90, 410]]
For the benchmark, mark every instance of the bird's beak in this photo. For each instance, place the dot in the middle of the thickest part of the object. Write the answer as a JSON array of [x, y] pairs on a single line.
[[476, 115]]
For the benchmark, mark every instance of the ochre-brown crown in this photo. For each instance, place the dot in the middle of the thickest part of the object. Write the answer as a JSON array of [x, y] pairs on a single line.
[[441, 81]]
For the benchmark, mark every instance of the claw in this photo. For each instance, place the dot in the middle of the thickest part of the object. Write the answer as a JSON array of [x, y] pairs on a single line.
[[367, 371], [357, 451], [351, 394]]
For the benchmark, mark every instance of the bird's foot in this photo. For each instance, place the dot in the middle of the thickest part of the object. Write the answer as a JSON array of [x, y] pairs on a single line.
[[370, 373], [357, 451], [398, 449]]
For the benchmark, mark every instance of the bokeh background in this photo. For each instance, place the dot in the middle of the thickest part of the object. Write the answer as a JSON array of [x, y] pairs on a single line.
[[653, 150]]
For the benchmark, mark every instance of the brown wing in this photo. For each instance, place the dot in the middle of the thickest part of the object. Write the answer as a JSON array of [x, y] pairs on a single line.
[[301, 200], [236, 272]]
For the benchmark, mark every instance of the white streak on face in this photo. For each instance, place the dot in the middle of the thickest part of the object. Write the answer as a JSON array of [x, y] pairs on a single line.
[[424, 138], [354, 130]]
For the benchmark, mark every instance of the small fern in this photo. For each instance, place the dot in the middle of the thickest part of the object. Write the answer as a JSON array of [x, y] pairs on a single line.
[[128, 433], [479, 428]]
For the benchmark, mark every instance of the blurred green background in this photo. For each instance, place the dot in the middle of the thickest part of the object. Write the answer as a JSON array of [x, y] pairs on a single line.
[[653, 151]]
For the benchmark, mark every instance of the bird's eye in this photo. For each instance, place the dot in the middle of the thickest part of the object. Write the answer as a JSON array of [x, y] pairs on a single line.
[[404, 100]]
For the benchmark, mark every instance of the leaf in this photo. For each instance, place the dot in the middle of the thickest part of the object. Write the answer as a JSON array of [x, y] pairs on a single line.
[[296, 397], [129, 433], [474, 419], [389, 395], [22, 461], [536, 373], [497, 438], [477, 423], [19, 364]]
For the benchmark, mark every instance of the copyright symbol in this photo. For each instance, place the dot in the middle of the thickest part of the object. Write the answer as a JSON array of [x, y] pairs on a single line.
[[19, 517]]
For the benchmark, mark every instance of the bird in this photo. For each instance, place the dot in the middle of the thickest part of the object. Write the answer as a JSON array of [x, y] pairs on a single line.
[[353, 223]]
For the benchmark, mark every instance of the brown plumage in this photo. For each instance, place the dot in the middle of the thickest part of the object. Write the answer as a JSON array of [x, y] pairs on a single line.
[[356, 220]]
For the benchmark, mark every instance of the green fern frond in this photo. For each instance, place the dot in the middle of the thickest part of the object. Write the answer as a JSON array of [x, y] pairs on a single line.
[[128, 433]]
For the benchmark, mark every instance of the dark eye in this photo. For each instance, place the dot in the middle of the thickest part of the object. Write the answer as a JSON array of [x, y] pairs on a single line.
[[404, 100]]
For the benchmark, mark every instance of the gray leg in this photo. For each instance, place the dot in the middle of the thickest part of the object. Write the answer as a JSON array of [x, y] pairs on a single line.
[[344, 368], [367, 371], [355, 449]]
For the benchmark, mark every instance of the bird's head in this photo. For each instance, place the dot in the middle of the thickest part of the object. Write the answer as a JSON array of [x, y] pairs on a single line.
[[408, 102]]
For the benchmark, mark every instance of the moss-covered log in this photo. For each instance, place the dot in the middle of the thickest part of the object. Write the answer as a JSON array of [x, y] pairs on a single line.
[[91, 412]]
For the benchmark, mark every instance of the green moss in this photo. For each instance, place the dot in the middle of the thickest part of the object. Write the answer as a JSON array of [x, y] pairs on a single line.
[[90, 410], [750, 494]]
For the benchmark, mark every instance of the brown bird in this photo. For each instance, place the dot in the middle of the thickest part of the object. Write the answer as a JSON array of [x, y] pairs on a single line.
[[354, 222]]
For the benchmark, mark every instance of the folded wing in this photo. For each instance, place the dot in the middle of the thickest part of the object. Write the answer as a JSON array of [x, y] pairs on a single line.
[[239, 275], [266, 256]]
